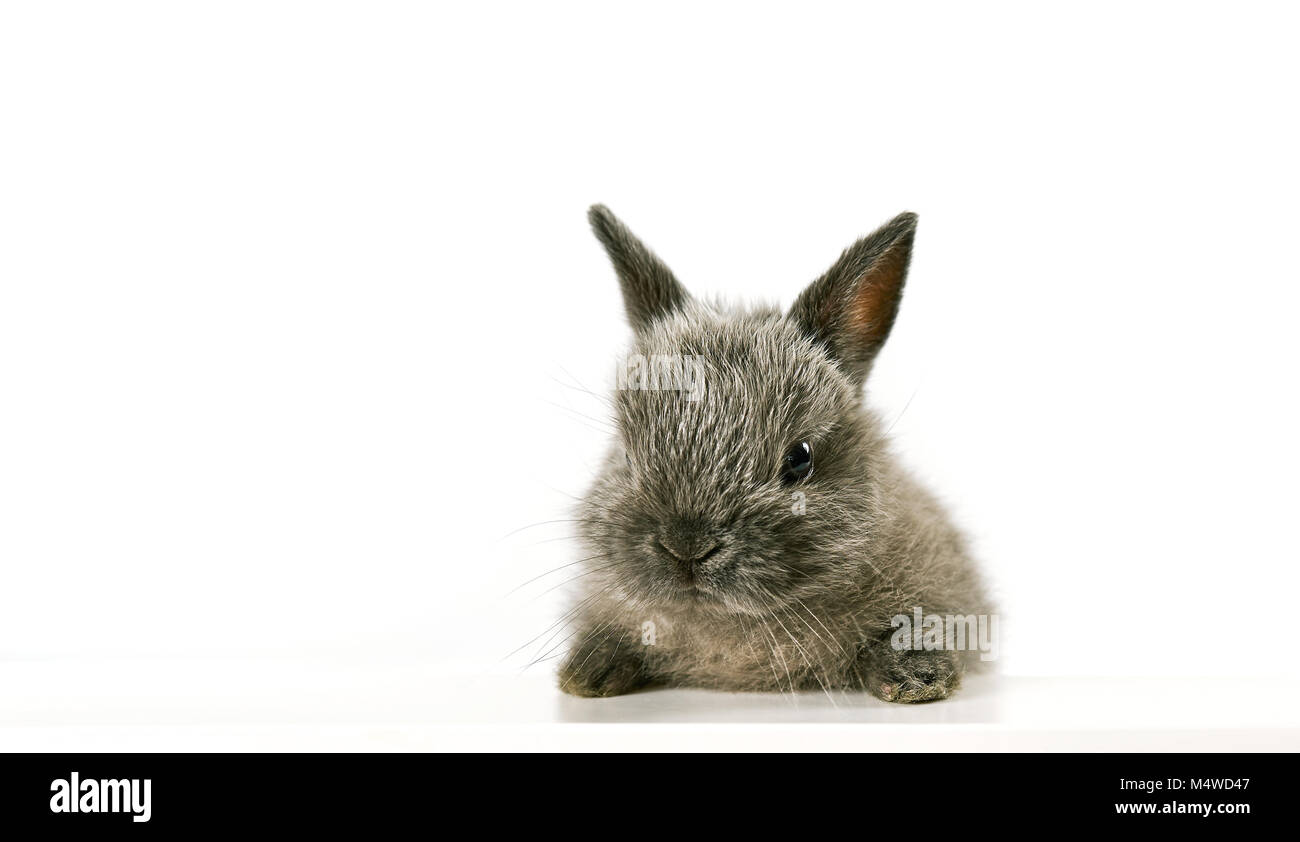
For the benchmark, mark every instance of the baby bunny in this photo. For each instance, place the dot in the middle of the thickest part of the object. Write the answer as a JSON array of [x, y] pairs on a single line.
[[749, 529]]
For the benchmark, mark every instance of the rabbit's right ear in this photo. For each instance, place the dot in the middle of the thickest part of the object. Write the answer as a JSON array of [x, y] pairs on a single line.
[[850, 309], [649, 288]]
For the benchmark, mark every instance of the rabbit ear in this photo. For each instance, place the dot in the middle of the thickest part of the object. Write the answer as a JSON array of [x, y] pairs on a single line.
[[851, 308], [649, 288]]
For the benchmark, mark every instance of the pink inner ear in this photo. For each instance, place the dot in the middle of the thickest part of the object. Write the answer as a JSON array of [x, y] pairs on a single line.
[[875, 299]]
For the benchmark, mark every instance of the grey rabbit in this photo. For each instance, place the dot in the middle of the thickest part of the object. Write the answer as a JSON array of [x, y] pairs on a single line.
[[757, 534]]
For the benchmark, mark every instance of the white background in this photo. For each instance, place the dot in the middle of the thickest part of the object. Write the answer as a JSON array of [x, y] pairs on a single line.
[[298, 303]]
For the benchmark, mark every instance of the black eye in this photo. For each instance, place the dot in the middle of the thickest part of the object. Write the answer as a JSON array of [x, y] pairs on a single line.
[[798, 463]]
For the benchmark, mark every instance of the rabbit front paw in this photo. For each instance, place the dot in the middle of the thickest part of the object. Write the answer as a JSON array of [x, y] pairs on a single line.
[[910, 676], [603, 667]]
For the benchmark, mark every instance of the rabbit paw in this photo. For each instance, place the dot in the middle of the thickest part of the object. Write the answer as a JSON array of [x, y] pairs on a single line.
[[910, 676], [605, 667]]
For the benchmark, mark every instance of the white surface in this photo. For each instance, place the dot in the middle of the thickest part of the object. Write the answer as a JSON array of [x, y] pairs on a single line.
[[338, 705], [298, 306]]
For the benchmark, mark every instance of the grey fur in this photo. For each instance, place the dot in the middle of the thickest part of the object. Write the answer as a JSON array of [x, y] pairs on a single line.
[[649, 288], [690, 526], [875, 264]]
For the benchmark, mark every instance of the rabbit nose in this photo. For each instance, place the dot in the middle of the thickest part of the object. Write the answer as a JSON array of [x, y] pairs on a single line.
[[689, 550]]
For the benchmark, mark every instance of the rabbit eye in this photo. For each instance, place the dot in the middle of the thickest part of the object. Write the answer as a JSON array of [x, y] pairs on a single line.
[[798, 463]]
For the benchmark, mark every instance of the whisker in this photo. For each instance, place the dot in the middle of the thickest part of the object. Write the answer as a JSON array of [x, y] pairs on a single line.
[[556, 570], [598, 569], [604, 422], [577, 386], [804, 654], [592, 634], [601, 592], [586, 520], [558, 622], [820, 623]]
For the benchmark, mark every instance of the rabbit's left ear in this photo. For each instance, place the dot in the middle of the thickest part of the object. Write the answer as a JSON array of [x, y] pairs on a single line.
[[851, 309], [649, 289]]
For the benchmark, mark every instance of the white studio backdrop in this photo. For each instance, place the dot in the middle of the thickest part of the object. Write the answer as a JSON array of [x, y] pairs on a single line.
[[298, 306]]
